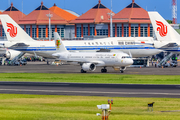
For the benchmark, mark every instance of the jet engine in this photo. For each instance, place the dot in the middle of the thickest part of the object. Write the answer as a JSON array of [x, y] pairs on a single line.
[[11, 54], [88, 66]]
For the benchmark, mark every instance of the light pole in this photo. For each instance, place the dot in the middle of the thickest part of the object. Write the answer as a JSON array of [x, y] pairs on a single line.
[[50, 16], [111, 25], [111, 31]]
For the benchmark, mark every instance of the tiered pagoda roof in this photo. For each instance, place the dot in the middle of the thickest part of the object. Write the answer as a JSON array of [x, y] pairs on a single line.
[[14, 13], [133, 13], [97, 14], [39, 17], [62, 13]]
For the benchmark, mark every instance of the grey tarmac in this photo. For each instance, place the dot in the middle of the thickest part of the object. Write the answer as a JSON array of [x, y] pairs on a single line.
[[42, 67], [83, 89]]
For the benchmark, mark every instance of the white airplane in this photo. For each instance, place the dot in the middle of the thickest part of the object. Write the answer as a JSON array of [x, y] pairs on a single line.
[[167, 37], [89, 60], [19, 40]]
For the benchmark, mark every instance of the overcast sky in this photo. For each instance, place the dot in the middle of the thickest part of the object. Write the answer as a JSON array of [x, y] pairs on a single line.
[[82, 6]]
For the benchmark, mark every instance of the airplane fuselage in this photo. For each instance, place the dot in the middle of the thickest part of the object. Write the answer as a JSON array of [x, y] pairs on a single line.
[[99, 58], [129, 45]]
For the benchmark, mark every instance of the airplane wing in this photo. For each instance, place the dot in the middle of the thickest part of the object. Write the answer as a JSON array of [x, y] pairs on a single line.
[[104, 50], [1, 45]]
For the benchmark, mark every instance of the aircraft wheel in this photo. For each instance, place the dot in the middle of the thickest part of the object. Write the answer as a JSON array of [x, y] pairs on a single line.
[[121, 71], [82, 71], [103, 70]]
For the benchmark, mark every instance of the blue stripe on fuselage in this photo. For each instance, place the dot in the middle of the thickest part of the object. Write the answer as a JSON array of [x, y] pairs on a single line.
[[83, 48]]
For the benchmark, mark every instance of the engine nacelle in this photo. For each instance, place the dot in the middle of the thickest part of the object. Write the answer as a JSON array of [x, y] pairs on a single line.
[[88, 66], [11, 54]]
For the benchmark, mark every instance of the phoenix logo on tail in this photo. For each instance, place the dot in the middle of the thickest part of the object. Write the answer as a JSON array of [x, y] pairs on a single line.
[[162, 28], [12, 30], [58, 43]]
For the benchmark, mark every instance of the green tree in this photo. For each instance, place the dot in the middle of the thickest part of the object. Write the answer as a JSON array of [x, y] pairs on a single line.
[[169, 21]]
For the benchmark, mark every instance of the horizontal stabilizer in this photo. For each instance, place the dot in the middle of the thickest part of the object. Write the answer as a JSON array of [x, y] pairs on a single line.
[[170, 45], [19, 45]]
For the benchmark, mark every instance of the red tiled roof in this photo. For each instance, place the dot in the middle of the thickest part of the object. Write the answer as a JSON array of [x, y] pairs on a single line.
[[133, 13], [39, 17], [62, 13], [97, 14], [14, 13]]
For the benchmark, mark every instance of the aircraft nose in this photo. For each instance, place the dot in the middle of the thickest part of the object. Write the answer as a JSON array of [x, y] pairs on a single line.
[[130, 62]]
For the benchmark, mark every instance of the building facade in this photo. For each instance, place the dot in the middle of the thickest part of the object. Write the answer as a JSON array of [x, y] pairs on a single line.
[[132, 21]]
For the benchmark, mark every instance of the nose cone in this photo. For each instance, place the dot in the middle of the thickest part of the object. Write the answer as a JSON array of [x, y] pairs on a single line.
[[129, 61]]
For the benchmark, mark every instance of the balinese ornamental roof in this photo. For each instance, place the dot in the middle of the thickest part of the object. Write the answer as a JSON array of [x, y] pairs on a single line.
[[14, 13], [97, 14], [62, 13], [133, 13], [39, 17]]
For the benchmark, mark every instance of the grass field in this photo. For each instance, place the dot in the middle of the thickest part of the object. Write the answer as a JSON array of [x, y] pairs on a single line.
[[91, 78], [44, 107]]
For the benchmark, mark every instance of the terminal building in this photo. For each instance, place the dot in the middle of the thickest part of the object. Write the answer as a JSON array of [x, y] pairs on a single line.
[[132, 21]]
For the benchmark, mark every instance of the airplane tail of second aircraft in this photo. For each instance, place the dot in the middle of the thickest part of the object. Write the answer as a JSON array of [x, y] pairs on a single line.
[[59, 43], [163, 30], [12, 30]]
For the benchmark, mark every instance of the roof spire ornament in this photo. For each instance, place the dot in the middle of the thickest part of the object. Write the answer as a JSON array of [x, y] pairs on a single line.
[[41, 2], [54, 4], [99, 1], [11, 4], [132, 1]]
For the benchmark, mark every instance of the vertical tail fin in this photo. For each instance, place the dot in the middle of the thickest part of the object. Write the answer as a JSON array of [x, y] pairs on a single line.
[[58, 43], [12, 30], [163, 30]]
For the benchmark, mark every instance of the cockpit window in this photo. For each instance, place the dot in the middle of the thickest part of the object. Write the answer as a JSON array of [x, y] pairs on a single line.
[[123, 57]]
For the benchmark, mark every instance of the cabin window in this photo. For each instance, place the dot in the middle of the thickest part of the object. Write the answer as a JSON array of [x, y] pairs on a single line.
[[129, 43], [123, 57], [121, 43]]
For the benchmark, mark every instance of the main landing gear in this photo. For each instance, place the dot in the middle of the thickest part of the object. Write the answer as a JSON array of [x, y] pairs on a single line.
[[104, 70], [82, 71]]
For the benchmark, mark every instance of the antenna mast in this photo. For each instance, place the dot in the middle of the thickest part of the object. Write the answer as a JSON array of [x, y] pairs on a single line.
[[174, 11]]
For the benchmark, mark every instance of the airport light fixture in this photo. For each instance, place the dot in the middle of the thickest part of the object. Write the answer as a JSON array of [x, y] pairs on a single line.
[[111, 25], [50, 16], [105, 112]]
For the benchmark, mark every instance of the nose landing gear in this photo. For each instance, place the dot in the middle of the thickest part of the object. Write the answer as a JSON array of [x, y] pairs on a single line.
[[122, 69]]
